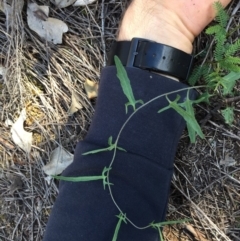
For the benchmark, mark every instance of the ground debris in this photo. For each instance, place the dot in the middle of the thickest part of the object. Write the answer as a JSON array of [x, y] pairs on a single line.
[[228, 161]]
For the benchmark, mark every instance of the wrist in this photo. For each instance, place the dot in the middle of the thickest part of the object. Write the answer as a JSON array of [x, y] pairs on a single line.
[[155, 23]]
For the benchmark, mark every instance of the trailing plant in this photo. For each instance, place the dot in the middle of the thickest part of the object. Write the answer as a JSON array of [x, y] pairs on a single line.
[[223, 70]]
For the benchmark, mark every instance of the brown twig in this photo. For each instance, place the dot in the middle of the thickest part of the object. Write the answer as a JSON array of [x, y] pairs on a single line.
[[233, 99], [6, 144]]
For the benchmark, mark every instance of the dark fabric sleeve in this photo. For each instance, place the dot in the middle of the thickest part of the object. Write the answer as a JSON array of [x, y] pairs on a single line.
[[141, 177]]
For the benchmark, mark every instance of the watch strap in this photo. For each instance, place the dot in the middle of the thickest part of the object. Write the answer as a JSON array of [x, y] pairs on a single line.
[[149, 55]]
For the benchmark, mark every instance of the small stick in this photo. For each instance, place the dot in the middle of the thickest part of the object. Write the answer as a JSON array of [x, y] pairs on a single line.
[[103, 33], [228, 132], [233, 99], [197, 235], [6, 144]]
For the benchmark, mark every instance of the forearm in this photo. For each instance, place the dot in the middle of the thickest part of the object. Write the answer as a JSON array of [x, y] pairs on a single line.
[[141, 176]]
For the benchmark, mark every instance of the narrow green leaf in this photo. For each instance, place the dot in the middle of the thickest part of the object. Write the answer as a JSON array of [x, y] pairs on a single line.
[[88, 178], [122, 218], [78, 179], [110, 141], [125, 84], [160, 234], [110, 148], [164, 108], [121, 149], [96, 151], [192, 129]]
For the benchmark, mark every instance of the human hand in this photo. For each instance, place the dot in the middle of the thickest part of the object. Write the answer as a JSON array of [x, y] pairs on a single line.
[[171, 22]]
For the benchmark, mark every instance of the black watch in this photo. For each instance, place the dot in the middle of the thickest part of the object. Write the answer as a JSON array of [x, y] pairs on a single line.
[[152, 56]]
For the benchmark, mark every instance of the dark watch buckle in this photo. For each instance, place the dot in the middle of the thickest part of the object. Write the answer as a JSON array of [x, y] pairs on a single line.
[[133, 51]]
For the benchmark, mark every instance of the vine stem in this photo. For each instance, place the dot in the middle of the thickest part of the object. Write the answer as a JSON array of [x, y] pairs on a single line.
[[117, 139]]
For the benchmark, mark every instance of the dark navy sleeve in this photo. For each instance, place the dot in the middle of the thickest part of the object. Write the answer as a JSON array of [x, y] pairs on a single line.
[[141, 176]]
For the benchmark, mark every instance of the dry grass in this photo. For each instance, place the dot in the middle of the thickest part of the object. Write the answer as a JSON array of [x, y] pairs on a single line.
[[41, 77]]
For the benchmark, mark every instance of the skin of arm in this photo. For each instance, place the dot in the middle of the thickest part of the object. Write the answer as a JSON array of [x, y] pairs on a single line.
[[172, 22]]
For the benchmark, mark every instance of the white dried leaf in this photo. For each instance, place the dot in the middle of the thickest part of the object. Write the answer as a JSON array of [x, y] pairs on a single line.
[[91, 88], [75, 104], [83, 2], [50, 29], [63, 3], [21, 137], [60, 159], [8, 122], [228, 161]]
